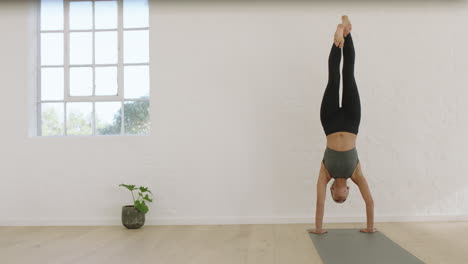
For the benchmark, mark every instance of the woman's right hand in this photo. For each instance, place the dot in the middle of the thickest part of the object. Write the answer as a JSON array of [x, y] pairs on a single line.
[[317, 231]]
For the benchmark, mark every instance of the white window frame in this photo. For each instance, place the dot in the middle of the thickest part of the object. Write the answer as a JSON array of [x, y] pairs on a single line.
[[66, 67]]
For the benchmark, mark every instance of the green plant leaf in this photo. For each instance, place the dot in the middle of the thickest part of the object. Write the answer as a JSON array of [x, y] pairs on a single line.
[[141, 206], [130, 187], [146, 197], [145, 189]]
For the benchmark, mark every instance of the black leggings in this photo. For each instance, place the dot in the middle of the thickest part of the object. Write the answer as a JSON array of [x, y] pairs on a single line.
[[347, 118]]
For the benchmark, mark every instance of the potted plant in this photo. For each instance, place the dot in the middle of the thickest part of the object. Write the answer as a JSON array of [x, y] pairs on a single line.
[[133, 216]]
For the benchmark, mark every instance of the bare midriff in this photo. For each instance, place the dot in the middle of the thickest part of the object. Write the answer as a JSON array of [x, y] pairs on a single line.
[[341, 141]]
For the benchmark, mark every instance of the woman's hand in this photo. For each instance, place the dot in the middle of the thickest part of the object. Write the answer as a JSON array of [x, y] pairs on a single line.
[[317, 231], [368, 230]]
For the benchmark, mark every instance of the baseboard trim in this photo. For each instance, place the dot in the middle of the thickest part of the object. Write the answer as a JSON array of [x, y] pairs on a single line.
[[219, 220]]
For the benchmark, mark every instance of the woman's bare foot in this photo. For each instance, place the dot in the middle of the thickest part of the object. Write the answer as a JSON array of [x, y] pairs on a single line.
[[317, 231], [339, 39], [368, 230], [347, 25]]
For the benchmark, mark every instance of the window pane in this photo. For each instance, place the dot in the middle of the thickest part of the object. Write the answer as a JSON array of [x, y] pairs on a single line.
[[79, 118], [81, 48], [136, 82], [105, 14], [81, 15], [136, 46], [52, 49], [135, 13], [52, 119], [108, 118], [136, 117], [81, 81], [106, 47], [106, 80], [51, 14], [52, 84]]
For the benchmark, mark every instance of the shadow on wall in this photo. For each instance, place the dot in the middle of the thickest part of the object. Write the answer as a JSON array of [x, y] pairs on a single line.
[[311, 1], [425, 3]]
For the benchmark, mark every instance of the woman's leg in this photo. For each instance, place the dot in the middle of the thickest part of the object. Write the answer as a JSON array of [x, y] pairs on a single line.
[[331, 97], [351, 103]]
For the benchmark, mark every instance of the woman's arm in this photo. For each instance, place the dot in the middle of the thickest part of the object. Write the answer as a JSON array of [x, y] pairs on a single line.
[[361, 182], [322, 182]]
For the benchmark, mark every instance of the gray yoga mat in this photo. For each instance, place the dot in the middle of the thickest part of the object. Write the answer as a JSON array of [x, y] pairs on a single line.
[[349, 246]]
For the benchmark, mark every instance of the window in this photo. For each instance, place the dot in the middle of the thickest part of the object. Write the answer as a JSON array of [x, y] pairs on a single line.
[[93, 68]]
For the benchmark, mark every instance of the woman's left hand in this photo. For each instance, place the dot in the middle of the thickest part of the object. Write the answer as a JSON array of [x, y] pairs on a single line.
[[368, 230]]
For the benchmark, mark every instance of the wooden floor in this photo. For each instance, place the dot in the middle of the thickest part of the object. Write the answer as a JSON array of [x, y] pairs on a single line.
[[441, 242]]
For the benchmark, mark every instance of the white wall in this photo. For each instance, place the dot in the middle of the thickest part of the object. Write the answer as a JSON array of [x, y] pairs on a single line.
[[236, 136]]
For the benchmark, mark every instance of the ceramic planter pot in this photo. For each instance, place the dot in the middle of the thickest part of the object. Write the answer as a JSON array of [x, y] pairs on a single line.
[[132, 218]]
